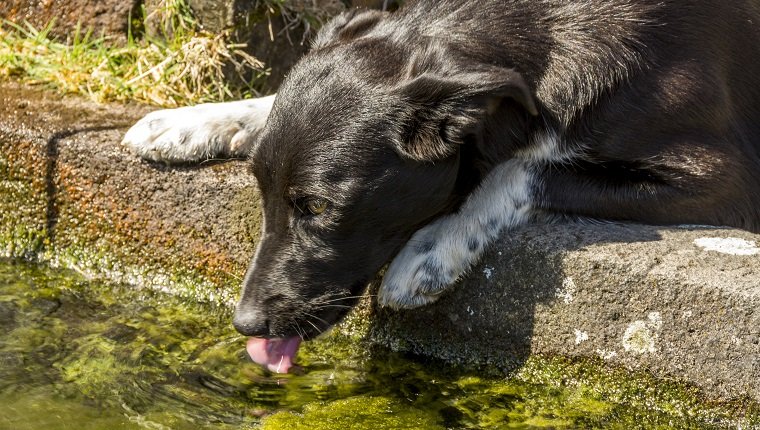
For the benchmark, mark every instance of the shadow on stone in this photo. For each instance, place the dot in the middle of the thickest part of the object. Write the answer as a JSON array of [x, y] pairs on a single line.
[[489, 318]]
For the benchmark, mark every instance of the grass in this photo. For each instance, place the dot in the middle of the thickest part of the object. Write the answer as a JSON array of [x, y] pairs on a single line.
[[185, 67]]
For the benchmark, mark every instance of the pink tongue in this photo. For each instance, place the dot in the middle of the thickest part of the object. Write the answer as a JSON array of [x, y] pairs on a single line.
[[275, 354]]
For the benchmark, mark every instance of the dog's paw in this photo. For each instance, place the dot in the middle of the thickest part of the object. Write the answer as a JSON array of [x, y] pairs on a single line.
[[196, 133], [180, 135], [431, 261]]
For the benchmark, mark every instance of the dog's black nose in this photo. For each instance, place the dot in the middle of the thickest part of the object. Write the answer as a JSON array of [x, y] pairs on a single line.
[[251, 323]]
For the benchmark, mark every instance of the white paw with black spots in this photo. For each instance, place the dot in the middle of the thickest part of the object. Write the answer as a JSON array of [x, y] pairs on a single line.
[[431, 262], [442, 252]]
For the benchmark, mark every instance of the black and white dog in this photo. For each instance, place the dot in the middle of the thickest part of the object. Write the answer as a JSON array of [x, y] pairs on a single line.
[[419, 136]]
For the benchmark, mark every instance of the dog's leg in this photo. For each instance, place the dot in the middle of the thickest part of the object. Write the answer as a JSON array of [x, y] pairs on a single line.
[[199, 132], [440, 253]]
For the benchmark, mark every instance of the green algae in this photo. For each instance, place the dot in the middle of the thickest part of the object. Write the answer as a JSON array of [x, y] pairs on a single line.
[[22, 200], [360, 412], [22, 230], [88, 354], [595, 384], [99, 263]]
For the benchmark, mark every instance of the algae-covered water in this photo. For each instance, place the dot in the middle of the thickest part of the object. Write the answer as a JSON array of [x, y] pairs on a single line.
[[86, 355]]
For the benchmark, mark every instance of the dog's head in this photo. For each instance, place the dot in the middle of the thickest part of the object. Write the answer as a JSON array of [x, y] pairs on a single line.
[[366, 142]]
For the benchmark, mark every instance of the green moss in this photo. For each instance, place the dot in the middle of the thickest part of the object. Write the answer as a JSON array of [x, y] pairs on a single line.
[[94, 368], [22, 227], [601, 390], [101, 264], [21, 240], [363, 412]]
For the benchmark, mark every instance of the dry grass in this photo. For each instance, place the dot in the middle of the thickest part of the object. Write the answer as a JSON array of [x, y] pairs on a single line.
[[310, 14], [190, 67]]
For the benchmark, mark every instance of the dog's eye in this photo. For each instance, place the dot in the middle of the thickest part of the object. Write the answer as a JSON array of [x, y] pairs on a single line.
[[316, 206]]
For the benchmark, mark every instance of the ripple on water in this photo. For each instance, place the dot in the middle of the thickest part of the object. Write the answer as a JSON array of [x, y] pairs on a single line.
[[89, 355]]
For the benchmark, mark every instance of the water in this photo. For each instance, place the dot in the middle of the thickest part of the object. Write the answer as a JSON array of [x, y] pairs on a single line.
[[85, 355]]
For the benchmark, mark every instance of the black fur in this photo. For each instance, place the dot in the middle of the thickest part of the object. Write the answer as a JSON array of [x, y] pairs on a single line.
[[395, 118]]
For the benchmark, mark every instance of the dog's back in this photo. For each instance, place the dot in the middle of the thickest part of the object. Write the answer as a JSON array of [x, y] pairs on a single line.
[[646, 92]]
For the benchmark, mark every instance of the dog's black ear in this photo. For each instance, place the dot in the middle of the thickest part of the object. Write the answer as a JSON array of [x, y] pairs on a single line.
[[348, 25], [440, 111]]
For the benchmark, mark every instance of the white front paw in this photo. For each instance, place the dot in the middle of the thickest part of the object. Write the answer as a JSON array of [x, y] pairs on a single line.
[[183, 134], [432, 261], [199, 132]]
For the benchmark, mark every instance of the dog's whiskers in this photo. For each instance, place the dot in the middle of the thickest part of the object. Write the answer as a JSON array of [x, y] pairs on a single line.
[[331, 306], [327, 324], [313, 325], [337, 299], [301, 332]]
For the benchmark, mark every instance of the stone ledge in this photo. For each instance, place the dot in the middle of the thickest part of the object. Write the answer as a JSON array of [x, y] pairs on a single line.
[[72, 194], [638, 296]]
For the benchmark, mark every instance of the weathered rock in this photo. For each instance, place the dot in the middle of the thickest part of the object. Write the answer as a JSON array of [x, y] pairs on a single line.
[[110, 17], [680, 302], [67, 187], [645, 297]]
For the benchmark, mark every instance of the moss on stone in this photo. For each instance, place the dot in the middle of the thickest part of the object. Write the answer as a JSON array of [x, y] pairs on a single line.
[[599, 387], [362, 412], [22, 205]]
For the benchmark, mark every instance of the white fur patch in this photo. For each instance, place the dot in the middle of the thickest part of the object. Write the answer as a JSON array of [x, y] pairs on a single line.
[[547, 147], [441, 252], [199, 132]]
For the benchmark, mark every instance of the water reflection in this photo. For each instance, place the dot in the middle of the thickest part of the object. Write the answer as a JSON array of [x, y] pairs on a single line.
[[89, 355]]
